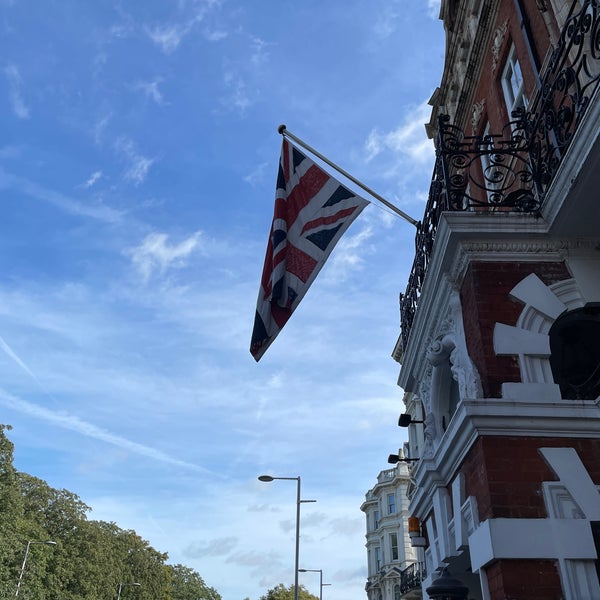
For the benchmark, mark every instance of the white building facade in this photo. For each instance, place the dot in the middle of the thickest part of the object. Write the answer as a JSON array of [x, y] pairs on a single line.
[[394, 572]]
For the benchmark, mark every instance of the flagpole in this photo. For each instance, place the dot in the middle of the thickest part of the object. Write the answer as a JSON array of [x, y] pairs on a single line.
[[284, 131]]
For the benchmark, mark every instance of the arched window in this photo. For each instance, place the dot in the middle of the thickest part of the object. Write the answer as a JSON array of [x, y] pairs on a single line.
[[575, 353]]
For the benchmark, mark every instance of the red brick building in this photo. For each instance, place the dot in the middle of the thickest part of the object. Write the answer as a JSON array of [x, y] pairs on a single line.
[[500, 340]]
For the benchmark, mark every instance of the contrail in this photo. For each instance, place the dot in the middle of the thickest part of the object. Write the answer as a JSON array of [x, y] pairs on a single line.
[[12, 355], [83, 427], [78, 425]]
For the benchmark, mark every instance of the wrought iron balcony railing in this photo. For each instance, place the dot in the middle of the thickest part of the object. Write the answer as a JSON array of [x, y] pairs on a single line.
[[511, 171], [411, 577]]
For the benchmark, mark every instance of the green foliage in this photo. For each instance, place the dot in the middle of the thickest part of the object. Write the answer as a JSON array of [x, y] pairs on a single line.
[[280, 592], [90, 560], [186, 584]]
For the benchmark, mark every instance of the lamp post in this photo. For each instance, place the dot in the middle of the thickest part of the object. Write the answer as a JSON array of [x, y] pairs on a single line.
[[29, 543], [122, 585], [321, 584], [269, 478]]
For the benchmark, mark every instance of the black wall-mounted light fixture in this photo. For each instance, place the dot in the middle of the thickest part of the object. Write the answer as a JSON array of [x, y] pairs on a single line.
[[405, 420], [395, 458]]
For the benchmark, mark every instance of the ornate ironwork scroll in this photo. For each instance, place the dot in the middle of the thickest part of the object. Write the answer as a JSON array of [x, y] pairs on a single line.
[[513, 170]]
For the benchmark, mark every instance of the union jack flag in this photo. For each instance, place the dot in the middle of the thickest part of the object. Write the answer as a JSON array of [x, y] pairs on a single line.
[[312, 212]]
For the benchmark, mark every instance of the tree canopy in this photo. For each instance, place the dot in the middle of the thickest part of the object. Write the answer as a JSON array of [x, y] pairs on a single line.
[[280, 592], [89, 560]]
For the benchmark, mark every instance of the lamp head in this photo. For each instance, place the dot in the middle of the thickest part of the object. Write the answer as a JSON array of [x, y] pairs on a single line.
[[265, 478], [406, 419], [393, 459]]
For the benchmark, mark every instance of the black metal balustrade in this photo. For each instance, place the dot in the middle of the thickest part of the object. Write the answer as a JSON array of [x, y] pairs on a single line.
[[411, 577], [511, 171]]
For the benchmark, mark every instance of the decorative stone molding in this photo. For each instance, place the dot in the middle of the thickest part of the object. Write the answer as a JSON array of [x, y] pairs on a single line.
[[519, 250], [447, 359], [499, 35], [478, 109]]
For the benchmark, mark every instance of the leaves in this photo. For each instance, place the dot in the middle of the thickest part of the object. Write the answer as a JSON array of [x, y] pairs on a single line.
[[90, 560], [280, 592]]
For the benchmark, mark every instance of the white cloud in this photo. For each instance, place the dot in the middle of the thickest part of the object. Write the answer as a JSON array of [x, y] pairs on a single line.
[[150, 90], [32, 189], [215, 35], [100, 127], [349, 254], [258, 175], [167, 37], [386, 25], [433, 8], [239, 98], [139, 165], [259, 54], [409, 138], [18, 105], [154, 253], [92, 179]]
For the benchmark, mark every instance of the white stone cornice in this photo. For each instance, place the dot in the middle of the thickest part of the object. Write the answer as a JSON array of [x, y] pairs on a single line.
[[530, 416], [464, 237]]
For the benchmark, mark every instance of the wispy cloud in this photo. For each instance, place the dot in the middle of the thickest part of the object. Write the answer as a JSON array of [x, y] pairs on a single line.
[[408, 138], [167, 37], [13, 355], [139, 165], [100, 127], [386, 22], [349, 254], [155, 253], [259, 54], [151, 91], [29, 188], [257, 175], [82, 427], [92, 179], [239, 98], [216, 547], [433, 8], [17, 103]]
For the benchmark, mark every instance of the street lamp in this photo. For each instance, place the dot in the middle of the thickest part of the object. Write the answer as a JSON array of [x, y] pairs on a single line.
[[269, 478], [122, 585], [321, 584], [29, 543]]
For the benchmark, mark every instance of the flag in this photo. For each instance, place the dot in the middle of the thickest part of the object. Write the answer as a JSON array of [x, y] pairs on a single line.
[[312, 212]]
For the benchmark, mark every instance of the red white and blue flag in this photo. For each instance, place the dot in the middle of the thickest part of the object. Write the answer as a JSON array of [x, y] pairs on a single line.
[[312, 212]]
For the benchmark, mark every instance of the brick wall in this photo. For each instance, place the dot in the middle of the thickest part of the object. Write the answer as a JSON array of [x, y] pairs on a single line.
[[524, 580], [485, 302], [505, 473]]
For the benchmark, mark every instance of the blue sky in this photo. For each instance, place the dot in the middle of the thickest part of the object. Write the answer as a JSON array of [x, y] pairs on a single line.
[[138, 162]]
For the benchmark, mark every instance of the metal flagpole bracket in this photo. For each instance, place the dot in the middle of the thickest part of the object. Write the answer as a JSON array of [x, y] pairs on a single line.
[[283, 131]]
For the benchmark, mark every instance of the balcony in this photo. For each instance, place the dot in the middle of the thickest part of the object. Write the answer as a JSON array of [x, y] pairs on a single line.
[[511, 171], [410, 580]]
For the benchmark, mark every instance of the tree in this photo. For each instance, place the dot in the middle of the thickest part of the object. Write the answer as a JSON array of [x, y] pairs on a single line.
[[11, 545], [186, 584], [280, 592], [90, 559]]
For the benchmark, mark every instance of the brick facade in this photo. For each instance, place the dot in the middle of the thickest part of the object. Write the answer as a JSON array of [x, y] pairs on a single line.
[[485, 301], [524, 580]]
